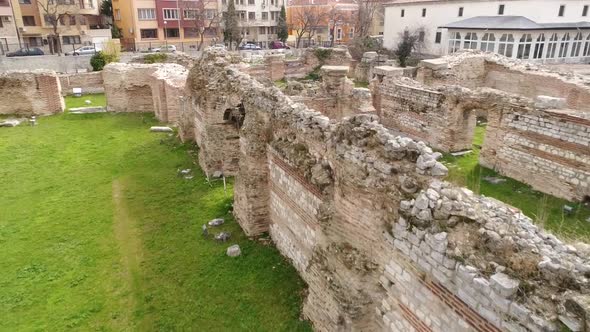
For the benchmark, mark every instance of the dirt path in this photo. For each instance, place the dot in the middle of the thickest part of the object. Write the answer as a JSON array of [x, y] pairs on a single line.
[[129, 241]]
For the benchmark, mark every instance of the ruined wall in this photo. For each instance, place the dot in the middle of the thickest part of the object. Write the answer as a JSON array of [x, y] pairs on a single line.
[[145, 88], [30, 93], [382, 243], [89, 82], [473, 69]]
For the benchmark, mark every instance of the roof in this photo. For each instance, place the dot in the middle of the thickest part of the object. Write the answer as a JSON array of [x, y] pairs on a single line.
[[511, 23], [411, 2]]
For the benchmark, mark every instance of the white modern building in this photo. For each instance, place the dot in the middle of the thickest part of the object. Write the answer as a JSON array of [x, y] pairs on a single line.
[[536, 30], [258, 19]]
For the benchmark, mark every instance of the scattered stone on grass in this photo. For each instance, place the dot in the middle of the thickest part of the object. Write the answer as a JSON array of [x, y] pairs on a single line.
[[569, 210], [234, 251], [222, 237], [217, 174], [158, 129], [493, 179], [87, 110], [10, 123], [216, 222], [205, 230], [461, 153]]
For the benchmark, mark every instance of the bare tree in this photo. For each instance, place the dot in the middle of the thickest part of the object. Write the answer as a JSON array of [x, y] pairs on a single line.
[[305, 20], [55, 11], [334, 16], [365, 16], [203, 16]]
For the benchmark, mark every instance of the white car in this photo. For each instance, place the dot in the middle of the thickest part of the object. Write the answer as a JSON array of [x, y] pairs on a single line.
[[165, 48], [84, 50], [218, 47]]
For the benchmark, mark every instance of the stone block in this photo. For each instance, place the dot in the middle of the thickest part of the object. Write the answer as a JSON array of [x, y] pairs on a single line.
[[504, 285], [434, 64]]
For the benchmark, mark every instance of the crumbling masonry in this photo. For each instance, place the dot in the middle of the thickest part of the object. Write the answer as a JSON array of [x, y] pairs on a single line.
[[382, 242], [30, 93], [538, 121]]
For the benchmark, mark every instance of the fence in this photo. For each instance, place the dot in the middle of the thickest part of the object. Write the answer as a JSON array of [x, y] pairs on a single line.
[[66, 48]]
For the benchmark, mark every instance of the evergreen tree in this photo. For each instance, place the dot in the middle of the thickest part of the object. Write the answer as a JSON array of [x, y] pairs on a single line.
[[231, 31], [283, 32]]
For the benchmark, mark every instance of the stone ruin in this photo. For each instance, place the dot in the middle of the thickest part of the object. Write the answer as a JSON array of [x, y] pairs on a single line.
[[26, 93], [538, 121], [366, 219]]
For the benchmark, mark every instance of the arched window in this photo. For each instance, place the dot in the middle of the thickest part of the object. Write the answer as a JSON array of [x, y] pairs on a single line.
[[565, 43], [488, 42], [539, 46], [506, 45], [454, 42], [470, 41], [587, 46], [577, 45], [524, 46], [552, 46]]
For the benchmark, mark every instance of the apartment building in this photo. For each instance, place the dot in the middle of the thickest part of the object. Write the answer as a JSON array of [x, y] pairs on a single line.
[[320, 21], [258, 19], [151, 23], [8, 29], [533, 30], [83, 24]]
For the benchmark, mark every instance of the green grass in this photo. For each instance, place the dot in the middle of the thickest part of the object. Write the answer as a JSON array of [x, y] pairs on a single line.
[[361, 84], [545, 210], [96, 100], [98, 233]]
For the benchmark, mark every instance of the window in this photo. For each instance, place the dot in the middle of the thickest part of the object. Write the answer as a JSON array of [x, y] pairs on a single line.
[[351, 33], [262, 30], [488, 42], [172, 33], [251, 2], [149, 33], [506, 45], [264, 16], [251, 16], [69, 40], [49, 20], [338, 33], [565, 43], [524, 46], [191, 32], [587, 46], [585, 10], [423, 12], [460, 11], [190, 14], [539, 46], [577, 45], [552, 46], [118, 14], [24, 2], [275, 15], [454, 42], [421, 35], [29, 21], [561, 10], [501, 10], [470, 42], [146, 14], [241, 15], [403, 12], [437, 37], [210, 13], [170, 14]]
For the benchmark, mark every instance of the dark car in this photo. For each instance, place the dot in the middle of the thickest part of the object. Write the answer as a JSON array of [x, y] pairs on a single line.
[[277, 44], [27, 52], [250, 47]]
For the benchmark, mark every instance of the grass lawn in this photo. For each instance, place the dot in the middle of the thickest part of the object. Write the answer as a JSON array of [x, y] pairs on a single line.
[[95, 99], [545, 210], [98, 233]]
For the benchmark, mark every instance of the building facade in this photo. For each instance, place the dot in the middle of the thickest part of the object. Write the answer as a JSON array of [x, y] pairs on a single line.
[[8, 29], [31, 25], [541, 30], [258, 19]]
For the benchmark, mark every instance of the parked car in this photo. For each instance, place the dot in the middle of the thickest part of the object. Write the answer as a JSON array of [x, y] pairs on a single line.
[[27, 52], [218, 47], [250, 47], [165, 48], [277, 44], [84, 50]]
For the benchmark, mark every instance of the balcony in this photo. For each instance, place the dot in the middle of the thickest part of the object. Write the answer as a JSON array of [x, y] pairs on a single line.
[[5, 11]]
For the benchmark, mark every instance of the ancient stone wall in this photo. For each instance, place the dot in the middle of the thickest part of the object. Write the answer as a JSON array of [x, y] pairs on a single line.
[[145, 88], [30, 93], [88, 82], [381, 241]]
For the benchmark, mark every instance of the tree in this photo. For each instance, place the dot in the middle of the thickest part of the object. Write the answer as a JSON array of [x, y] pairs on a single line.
[[203, 15], [53, 12], [365, 16], [283, 32], [406, 45], [231, 31], [305, 20], [335, 16], [106, 8]]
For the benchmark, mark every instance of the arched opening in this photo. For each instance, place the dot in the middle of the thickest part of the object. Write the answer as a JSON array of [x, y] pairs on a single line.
[[235, 116]]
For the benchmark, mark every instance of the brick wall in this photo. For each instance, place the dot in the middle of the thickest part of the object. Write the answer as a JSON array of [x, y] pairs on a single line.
[[89, 82], [30, 93]]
